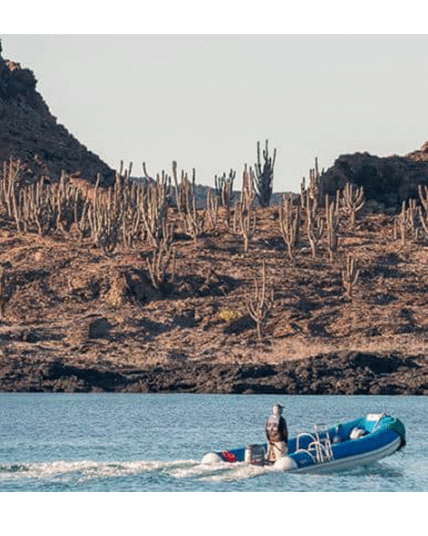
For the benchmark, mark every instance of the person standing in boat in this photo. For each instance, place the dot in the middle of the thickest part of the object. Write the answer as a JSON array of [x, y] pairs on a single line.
[[276, 434]]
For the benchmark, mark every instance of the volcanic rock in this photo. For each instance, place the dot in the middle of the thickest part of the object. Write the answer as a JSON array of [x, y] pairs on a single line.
[[29, 132], [387, 180]]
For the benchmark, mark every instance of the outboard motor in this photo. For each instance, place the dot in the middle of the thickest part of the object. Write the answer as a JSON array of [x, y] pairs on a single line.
[[254, 455]]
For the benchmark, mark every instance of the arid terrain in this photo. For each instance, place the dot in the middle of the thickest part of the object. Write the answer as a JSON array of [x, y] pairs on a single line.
[[165, 285], [77, 319]]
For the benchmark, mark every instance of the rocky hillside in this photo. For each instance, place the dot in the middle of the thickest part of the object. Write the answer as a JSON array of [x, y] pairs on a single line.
[[123, 290], [29, 131], [76, 317], [389, 180]]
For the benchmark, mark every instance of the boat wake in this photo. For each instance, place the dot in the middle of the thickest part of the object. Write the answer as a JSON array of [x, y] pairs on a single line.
[[86, 470]]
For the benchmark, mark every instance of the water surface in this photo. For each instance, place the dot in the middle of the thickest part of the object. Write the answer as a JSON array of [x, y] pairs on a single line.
[[154, 442]]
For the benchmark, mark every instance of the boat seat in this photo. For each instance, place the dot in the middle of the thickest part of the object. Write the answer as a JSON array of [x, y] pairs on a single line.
[[356, 433]]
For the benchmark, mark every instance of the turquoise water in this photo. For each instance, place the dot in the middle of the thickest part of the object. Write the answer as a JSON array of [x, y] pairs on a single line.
[[154, 443]]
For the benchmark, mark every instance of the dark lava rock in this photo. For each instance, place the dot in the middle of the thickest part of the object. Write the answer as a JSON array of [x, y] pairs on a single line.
[[387, 180], [335, 373]]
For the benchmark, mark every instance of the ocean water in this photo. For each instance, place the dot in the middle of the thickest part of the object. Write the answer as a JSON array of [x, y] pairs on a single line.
[[154, 443]]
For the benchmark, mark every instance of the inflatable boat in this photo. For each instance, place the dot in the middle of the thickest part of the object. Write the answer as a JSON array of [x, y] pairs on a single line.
[[344, 446]]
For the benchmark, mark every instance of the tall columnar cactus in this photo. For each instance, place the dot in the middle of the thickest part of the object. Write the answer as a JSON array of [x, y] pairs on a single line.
[[352, 201], [244, 218], [224, 188], [162, 258], [332, 226], [3, 292], [314, 226], [423, 211], [185, 191], [350, 275], [261, 303], [289, 223], [312, 194], [408, 220], [264, 175], [212, 209], [105, 216], [125, 213], [153, 206], [10, 190], [6, 290]]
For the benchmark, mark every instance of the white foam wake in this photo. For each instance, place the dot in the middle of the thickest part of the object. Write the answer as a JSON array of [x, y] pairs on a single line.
[[87, 469], [84, 468]]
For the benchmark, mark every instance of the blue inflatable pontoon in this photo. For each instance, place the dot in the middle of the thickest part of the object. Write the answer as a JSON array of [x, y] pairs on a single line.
[[344, 446]]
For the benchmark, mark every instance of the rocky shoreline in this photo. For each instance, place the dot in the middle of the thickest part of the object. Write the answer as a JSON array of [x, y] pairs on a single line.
[[341, 373]]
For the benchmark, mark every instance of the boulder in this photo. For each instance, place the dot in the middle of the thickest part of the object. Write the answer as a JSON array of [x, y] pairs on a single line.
[[99, 328], [386, 180]]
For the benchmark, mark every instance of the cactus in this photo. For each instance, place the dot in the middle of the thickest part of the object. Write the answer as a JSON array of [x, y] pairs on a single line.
[[264, 175], [309, 201], [423, 214], [5, 292], [314, 193], [185, 192], [212, 209], [224, 188], [314, 228], [244, 217], [310, 194], [260, 305], [332, 226], [352, 201], [154, 208], [161, 258], [10, 190], [125, 213], [408, 221], [3, 299], [195, 221], [105, 220], [289, 222], [350, 275]]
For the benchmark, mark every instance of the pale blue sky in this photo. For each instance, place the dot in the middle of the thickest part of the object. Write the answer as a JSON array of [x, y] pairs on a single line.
[[205, 100]]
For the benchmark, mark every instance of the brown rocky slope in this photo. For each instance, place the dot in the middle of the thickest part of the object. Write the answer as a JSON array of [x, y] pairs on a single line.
[[78, 316], [76, 319], [30, 132]]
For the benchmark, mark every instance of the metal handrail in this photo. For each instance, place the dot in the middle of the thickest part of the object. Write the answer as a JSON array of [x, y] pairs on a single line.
[[323, 448], [302, 434]]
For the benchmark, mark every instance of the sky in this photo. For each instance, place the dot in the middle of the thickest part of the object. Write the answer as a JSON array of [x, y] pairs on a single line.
[[205, 100]]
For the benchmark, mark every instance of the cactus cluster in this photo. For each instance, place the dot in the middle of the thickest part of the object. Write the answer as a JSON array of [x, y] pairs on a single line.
[[127, 213], [138, 214], [318, 219], [39, 206], [412, 222], [322, 216]]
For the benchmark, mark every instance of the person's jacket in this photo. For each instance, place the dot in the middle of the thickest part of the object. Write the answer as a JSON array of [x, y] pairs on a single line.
[[276, 429]]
